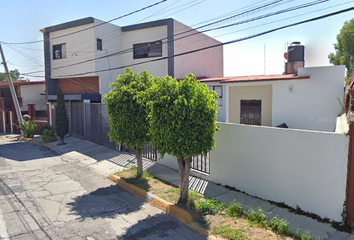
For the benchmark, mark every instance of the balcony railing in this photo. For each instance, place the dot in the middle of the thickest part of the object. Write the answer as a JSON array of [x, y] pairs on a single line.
[[7, 103]]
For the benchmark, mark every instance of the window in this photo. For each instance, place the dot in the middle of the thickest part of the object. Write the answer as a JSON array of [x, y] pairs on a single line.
[[218, 90], [99, 44], [145, 50], [251, 112], [5, 93], [59, 51]]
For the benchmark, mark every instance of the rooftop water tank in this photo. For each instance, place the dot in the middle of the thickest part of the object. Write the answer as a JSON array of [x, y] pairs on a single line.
[[296, 52]]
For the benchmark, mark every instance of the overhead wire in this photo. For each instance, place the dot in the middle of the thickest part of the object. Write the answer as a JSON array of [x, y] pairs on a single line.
[[220, 44], [81, 30], [250, 10], [194, 33]]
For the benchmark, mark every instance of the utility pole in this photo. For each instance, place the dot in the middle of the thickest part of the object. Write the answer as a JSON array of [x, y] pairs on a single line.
[[12, 89]]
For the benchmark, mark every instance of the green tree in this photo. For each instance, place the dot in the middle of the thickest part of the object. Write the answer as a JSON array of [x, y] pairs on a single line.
[[61, 119], [128, 112], [182, 122], [15, 74], [344, 48]]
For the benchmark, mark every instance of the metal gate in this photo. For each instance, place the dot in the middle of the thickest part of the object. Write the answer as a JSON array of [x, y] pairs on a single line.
[[96, 124], [149, 151], [201, 163], [77, 119]]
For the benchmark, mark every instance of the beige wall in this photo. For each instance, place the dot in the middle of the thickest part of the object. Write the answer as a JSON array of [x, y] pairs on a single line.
[[208, 63], [79, 47], [263, 93], [158, 68]]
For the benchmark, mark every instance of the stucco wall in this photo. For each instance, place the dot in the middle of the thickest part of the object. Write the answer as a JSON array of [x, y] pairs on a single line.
[[312, 103], [297, 167], [111, 43], [207, 63], [31, 95], [158, 68], [222, 108], [79, 47], [300, 168], [261, 92]]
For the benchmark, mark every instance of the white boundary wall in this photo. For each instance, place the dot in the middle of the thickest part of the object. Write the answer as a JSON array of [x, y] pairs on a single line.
[[300, 168]]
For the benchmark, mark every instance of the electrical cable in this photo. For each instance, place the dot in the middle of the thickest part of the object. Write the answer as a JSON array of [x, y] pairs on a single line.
[[174, 40], [220, 44], [114, 19]]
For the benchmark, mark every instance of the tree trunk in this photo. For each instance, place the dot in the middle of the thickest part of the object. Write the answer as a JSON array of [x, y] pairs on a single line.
[[62, 141], [139, 160], [183, 170]]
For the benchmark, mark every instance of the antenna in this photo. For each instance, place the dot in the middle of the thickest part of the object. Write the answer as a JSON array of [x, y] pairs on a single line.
[[264, 59]]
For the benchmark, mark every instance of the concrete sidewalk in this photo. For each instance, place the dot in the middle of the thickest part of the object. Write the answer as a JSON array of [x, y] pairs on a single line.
[[108, 161]]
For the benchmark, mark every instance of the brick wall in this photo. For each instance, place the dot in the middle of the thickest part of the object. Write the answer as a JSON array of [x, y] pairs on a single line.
[[79, 85]]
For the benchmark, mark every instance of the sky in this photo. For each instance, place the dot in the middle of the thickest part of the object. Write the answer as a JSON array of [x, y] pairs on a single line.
[[22, 20]]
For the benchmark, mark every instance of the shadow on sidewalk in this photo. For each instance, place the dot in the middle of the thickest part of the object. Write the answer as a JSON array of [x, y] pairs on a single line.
[[160, 226], [106, 202]]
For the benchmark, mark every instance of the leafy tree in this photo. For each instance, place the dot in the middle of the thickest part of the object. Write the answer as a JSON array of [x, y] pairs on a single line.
[[15, 74], [128, 112], [344, 48], [182, 122], [61, 119]]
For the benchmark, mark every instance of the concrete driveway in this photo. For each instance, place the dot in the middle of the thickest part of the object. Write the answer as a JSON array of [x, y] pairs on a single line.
[[45, 195]]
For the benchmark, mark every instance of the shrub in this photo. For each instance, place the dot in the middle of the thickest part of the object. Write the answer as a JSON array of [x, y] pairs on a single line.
[[235, 210], [280, 226], [45, 127], [210, 206], [258, 217], [29, 128], [48, 135]]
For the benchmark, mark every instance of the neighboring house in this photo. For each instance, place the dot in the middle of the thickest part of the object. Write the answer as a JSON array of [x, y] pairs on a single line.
[[84, 56], [106, 46], [302, 98], [32, 101]]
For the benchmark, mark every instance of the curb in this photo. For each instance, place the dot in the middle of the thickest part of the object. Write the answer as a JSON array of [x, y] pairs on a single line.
[[177, 212], [36, 142]]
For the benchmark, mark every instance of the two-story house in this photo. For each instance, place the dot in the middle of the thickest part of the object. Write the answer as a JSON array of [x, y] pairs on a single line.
[[84, 56]]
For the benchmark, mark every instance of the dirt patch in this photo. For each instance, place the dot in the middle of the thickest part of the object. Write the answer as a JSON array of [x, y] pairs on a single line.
[[170, 194]]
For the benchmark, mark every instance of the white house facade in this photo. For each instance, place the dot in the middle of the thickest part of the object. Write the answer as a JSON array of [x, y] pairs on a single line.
[[85, 55], [311, 100]]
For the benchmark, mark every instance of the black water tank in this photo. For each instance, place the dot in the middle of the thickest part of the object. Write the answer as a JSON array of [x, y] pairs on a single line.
[[296, 52]]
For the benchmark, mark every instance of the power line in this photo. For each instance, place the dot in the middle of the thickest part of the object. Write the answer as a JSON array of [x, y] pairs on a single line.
[[258, 8], [195, 33], [218, 45], [114, 19]]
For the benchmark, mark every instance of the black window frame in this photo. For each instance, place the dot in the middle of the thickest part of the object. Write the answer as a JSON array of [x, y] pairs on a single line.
[[58, 47], [146, 50], [99, 44], [220, 97]]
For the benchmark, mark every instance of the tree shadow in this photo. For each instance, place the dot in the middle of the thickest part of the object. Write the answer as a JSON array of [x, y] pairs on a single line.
[[24, 151], [159, 226], [106, 202]]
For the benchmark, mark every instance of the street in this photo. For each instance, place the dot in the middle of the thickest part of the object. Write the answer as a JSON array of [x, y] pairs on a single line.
[[46, 195]]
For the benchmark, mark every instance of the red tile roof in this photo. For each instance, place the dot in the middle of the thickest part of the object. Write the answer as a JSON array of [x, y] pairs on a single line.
[[23, 83], [258, 78]]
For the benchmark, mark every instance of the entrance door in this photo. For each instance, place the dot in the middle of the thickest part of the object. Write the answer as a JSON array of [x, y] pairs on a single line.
[[251, 112]]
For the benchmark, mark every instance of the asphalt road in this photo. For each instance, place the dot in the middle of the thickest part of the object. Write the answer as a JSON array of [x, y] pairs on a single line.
[[45, 195]]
